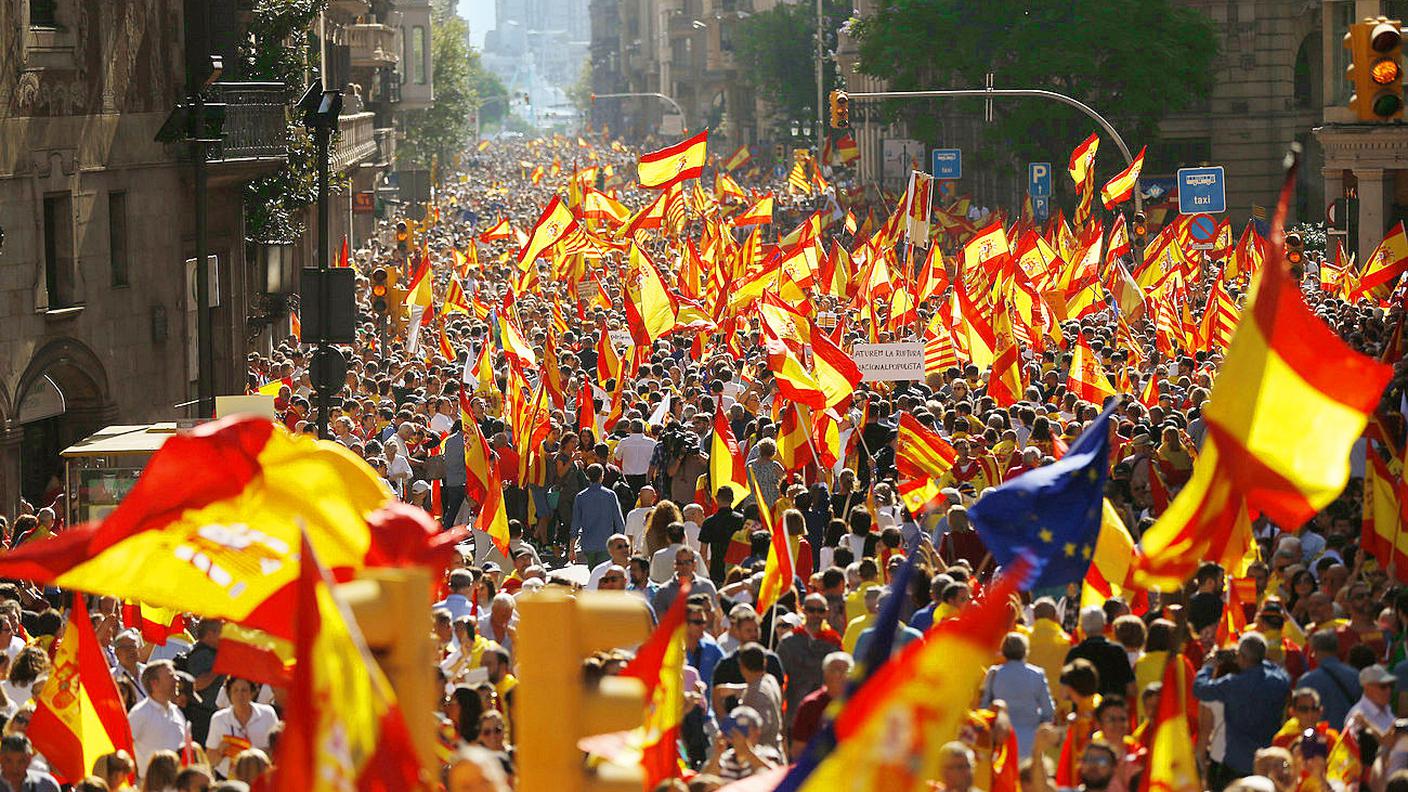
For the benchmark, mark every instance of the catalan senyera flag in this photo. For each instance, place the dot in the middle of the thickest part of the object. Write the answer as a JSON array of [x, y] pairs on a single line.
[[738, 159], [1083, 160], [659, 665], [922, 693], [1086, 378], [674, 164], [778, 572], [1005, 378], [211, 526], [922, 457], [555, 222], [1284, 368], [759, 213], [727, 466], [1121, 187], [1385, 264], [919, 206], [78, 715], [1173, 767], [343, 727]]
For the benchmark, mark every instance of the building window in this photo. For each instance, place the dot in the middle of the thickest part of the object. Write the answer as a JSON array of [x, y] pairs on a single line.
[[43, 14], [58, 250], [117, 237], [418, 54]]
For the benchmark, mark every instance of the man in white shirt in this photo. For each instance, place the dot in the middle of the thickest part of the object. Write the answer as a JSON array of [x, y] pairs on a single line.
[[633, 454], [635, 518], [618, 548], [157, 723], [1373, 708], [662, 564]]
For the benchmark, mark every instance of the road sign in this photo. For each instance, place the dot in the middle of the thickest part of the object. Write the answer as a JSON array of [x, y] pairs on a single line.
[[1041, 208], [1201, 190], [778, 171], [1202, 229], [1039, 179], [947, 164]]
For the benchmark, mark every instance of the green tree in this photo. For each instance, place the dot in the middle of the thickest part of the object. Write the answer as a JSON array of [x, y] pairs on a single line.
[[580, 92], [493, 96], [1134, 61], [444, 129], [776, 52]]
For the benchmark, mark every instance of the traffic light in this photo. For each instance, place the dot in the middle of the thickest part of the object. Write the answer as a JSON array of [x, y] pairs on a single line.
[[380, 289], [380, 599], [1295, 251], [840, 109], [403, 237], [1376, 69], [556, 707], [1138, 229], [779, 152]]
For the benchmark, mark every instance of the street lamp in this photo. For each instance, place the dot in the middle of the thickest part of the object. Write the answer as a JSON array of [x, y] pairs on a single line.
[[796, 128], [321, 109], [278, 266]]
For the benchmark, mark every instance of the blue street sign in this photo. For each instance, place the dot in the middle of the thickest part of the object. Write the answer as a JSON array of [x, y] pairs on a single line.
[[1041, 208], [1039, 179], [1201, 190], [778, 171], [947, 164]]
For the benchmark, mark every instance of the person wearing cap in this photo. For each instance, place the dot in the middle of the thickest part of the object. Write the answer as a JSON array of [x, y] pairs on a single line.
[[736, 753], [1253, 699], [1374, 708]]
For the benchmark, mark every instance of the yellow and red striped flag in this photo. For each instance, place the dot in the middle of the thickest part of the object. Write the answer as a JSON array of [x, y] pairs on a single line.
[[650, 307], [1121, 187], [1285, 368], [1087, 379], [1005, 379], [794, 448], [922, 457], [78, 715], [674, 164], [847, 149], [794, 381], [295, 326], [455, 299]]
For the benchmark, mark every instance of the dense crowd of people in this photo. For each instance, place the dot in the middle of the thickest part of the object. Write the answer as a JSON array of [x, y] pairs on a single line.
[[1306, 697]]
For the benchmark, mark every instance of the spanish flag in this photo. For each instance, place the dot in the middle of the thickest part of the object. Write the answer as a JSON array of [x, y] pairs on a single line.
[[778, 571], [597, 205], [836, 372], [1385, 264], [1121, 187], [1284, 368], [155, 624], [78, 715], [1172, 764], [500, 230], [794, 447], [794, 382], [1005, 379], [922, 457], [727, 467], [254, 654], [674, 164], [553, 224], [651, 308], [659, 665], [759, 213], [1086, 378], [847, 149], [344, 729], [211, 525], [1083, 160], [738, 159]]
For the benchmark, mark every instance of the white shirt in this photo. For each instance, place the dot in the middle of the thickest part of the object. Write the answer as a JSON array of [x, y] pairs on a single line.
[[440, 423], [662, 564], [599, 572], [691, 534], [1380, 718], [635, 525], [261, 721], [155, 727], [634, 453], [16, 644]]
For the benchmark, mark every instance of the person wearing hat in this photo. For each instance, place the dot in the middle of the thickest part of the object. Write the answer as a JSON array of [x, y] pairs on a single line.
[[736, 753], [1373, 710]]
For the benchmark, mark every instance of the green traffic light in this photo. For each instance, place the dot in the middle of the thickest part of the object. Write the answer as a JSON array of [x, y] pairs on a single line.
[[1387, 105]]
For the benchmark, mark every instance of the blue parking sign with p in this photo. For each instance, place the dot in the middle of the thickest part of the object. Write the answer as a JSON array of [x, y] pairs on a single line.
[[1039, 179]]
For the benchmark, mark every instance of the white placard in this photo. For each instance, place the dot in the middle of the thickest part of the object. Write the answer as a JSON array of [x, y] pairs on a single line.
[[899, 360], [620, 338]]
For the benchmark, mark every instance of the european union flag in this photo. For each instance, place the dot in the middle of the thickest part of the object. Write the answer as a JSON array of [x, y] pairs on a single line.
[[1051, 514]]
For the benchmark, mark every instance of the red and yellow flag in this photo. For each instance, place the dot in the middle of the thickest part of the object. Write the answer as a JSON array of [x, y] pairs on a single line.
[[343, 728], [1121, 187], [738, 159], [499, 230], [759, 213], [1385, 264], [778, 571], [1172, 764], [659, 665], [1083, 160], [727, 466], [1284, 368], [78, 715], [922, 457], [555, 222], [651, 308], [211, 525], [674, 164], [836, 372], [1087, 378]]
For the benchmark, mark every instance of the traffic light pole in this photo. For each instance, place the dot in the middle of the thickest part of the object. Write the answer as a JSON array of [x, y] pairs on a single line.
[[1029, 93]]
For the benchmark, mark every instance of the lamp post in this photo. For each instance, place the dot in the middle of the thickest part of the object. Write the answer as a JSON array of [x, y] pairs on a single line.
[[321, 109]]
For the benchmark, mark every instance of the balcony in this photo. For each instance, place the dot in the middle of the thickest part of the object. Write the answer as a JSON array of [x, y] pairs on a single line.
[[356, 140], [372, 45], [350, 8], [256, 122]]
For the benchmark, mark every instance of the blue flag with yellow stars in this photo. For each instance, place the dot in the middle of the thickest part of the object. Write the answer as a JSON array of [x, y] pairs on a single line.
[[1051, 514]]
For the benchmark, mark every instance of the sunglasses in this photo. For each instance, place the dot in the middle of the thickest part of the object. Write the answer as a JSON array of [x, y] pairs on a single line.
[[488, 732], [698, 622], [683, 561], [814, 610]]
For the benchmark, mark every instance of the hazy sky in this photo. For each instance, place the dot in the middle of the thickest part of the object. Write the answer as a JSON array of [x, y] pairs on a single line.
[[480, 14]]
